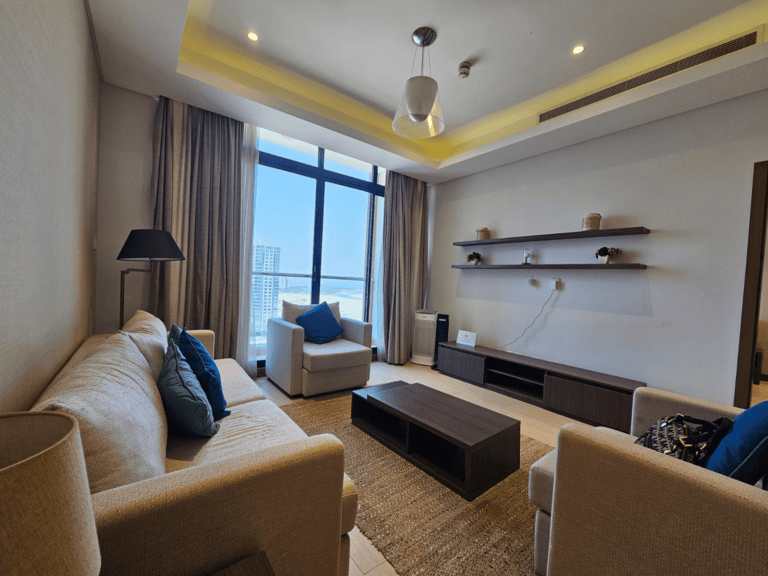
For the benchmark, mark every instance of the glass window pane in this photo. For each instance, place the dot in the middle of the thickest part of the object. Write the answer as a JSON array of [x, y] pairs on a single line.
[[345, 165], [286, 147], [345, 226], [345, 234], [283, 236], [348, 293]]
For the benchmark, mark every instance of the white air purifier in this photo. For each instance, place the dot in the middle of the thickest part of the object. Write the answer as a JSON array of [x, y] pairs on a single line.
[[424, 334]]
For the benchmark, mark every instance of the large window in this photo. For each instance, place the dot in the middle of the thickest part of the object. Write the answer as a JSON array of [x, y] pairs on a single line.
[[317, 228]]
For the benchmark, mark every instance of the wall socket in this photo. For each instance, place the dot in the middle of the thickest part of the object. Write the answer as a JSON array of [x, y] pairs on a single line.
[[554, 283]]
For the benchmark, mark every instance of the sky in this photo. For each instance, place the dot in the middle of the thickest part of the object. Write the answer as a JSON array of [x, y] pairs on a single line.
[[284, 215]]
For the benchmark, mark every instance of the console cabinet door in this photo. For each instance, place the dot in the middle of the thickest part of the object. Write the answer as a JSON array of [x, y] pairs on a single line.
[[463, 365], [588, 402]]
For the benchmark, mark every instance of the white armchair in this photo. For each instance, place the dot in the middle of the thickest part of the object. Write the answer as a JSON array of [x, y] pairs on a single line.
[[609, 506], [300, 367]]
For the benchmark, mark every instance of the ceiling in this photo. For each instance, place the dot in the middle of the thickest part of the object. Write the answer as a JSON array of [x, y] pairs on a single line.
[[331, 73]]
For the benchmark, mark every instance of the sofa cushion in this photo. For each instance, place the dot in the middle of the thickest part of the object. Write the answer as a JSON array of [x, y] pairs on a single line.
[[186, 406], [320, 327], [743, 453], [293, 311], [251, 426], [148, 333], [340, 353], [119, 411], [237, 386], [206, 371]]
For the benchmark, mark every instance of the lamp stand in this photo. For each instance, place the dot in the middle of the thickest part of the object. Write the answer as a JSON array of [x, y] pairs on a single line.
[[123, 274]]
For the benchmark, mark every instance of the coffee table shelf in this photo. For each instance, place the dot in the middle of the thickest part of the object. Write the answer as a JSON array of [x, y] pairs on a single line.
[[466, 447]]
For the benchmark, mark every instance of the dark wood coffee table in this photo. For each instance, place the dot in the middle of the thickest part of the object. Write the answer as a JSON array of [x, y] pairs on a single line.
[[466, 447]]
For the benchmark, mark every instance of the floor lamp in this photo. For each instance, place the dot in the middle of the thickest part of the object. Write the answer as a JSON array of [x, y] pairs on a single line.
[[145, 246]]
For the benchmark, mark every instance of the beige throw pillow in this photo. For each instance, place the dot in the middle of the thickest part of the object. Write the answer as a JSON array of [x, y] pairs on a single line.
[[148, 333], [118, 407]]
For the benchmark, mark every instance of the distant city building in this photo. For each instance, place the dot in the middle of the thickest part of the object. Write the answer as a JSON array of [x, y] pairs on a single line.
[[266, 289]]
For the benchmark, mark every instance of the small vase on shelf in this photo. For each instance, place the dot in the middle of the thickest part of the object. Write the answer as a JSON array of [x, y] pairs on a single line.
[[604, 254]]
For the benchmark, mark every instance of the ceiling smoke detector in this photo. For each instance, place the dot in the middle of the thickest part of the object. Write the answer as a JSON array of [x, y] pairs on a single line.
[[464, 69]]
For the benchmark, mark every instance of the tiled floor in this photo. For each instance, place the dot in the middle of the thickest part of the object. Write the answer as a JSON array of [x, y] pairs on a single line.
[[537, 423]]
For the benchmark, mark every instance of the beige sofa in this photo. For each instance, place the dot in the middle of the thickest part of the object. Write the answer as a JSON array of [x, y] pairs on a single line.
[[609, 506], [171, 505], [301, 367]]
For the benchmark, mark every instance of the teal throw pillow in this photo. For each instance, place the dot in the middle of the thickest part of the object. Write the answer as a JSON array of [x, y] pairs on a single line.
[[743, 453], [320, 326], [186, 406]]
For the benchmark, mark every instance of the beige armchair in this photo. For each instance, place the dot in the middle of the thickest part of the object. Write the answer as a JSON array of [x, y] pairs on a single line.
[[609, 506], [300, 367]]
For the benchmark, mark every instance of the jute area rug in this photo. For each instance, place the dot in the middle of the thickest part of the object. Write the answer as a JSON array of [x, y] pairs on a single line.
[[421, 527]]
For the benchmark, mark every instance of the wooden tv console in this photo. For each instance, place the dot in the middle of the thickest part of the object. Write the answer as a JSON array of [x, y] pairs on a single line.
[[591, 397]]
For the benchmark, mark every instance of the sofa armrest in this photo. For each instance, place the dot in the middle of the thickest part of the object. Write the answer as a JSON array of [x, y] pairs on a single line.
[[649, 405], [206, 337], [622, 509], [357, 331], [285, 354], [284, 501]]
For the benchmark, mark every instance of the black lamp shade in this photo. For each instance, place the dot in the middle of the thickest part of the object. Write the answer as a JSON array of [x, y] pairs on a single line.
[[150, 245]]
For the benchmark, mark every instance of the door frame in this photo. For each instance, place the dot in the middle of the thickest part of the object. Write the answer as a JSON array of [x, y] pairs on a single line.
[[753, 279]]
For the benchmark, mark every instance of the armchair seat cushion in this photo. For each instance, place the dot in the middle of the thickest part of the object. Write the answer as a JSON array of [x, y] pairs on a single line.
[[250, 427], [340, 353]]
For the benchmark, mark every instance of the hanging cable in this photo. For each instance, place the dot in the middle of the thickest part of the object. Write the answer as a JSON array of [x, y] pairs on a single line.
[[534, 320], [414, 59]]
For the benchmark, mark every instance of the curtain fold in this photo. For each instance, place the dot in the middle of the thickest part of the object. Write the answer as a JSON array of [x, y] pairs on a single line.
[[404, 262], [198, 197], [248, 191]]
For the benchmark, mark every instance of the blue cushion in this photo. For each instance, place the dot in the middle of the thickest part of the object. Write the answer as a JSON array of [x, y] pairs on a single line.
[[174, 334], [206, 371], [186, 406], [320, 326], [743, 453]]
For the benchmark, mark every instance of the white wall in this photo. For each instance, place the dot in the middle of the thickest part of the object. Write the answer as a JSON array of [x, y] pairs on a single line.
[[675, 325], [125, 170], [49, 113]]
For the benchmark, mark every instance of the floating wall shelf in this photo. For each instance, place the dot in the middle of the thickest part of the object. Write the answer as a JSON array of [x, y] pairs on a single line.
[[559, 236], [550, 266]]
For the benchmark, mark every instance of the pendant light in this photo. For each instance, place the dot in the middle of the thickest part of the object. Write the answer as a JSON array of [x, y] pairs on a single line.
[[419, 114]]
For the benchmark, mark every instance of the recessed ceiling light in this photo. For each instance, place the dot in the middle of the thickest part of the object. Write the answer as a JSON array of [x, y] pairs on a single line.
[[252, 36], [578, 49]]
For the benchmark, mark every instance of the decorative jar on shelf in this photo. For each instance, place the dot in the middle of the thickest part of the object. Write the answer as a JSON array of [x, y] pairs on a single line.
[[483, 234], [591, 221]]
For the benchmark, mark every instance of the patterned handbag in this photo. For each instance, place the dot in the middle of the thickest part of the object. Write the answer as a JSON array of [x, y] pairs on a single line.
[[685, 437]]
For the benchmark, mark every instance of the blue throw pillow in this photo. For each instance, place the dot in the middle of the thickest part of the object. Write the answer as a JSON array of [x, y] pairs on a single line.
[[320, 326], [186, 406], [206, 371], [174, 333], [743, 453]]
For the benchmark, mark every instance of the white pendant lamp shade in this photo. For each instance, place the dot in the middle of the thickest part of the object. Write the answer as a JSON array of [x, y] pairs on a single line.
[[419, 114]]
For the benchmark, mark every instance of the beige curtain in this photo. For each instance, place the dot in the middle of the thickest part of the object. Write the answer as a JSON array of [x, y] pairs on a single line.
[[405, 262], [197, 193]]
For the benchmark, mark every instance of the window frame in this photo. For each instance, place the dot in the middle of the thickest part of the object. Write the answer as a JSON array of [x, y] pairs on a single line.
[[321, 175]]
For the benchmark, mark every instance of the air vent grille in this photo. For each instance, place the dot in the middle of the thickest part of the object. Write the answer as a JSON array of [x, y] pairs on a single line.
[[688, 62]]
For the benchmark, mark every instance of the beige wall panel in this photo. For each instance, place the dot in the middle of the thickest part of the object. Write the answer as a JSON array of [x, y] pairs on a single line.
[[49, 127], [675, 325], [125, 168]]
